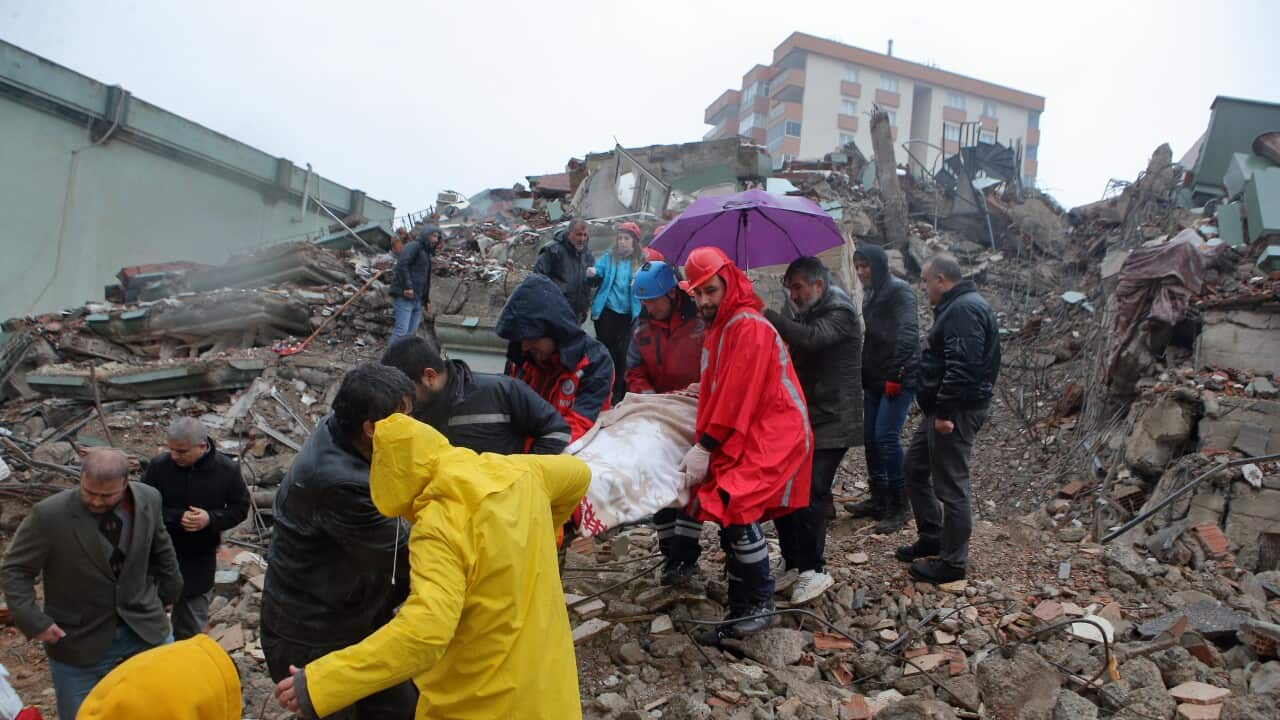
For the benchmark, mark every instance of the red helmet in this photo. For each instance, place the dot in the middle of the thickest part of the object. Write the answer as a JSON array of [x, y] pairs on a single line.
[[631, 229], [703, 263], [653, 255]]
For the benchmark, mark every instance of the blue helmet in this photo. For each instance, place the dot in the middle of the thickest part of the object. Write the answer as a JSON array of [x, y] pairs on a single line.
[[653, 280]]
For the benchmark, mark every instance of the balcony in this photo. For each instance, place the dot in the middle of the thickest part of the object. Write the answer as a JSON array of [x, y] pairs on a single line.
[[787, 85], [885, 98], [847, 122], [850, 89], [954, 115], [727, 100]]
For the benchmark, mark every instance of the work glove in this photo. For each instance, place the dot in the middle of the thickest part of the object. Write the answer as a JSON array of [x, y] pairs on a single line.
[[891, 389], [695, 464]]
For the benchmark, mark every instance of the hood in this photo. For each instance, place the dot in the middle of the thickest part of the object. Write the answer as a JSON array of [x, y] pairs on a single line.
[[878, 261], [190, 679], [536, 309], [413, 464], [833, 297], [739, 294], [562, 236]]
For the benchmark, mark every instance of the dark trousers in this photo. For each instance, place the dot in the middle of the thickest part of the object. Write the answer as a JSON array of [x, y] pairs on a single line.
[[746, 566], [803, 533], [678, 535], [936, 468], [614, 330], [883, 417], [397, 703]]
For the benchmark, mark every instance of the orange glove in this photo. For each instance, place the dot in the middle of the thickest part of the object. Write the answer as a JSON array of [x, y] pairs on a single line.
[[891, 389]]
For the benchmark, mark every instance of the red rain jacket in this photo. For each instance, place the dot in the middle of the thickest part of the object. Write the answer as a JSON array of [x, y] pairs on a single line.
[[561, 387], [665, 356], [750, 400]]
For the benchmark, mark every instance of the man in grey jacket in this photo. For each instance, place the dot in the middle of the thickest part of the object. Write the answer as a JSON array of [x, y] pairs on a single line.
[[108, 568], [822, 330]]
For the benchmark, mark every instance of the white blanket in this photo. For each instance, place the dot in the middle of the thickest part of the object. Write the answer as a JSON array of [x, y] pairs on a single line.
[[634, 450]]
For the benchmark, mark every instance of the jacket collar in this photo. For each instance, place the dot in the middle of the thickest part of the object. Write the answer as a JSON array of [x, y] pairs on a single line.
[[963, 287]]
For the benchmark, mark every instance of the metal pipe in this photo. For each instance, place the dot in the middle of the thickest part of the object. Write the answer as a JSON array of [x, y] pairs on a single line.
[[1183, 491]]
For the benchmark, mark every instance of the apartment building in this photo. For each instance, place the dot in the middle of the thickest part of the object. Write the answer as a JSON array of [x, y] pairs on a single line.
[[818, 94]]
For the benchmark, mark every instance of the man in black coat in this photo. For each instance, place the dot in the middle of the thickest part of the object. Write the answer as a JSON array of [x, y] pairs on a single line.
[[821, 329], [958, 367], [411, 281], [337, 568], [570, 265], [203, 495], [477, 411], [889, 359]]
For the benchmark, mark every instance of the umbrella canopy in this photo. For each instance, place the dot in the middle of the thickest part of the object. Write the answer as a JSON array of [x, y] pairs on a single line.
[[754, 228]]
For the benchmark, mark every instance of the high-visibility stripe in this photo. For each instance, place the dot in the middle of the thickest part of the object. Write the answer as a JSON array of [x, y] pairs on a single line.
[[558, 436], [479, 419]]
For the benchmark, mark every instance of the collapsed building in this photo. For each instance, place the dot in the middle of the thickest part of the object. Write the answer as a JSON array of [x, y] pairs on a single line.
[[1139, 355]]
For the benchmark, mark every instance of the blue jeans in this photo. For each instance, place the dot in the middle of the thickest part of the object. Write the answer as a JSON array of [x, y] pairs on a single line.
[[408, 316], [72, 684], [883, 418]]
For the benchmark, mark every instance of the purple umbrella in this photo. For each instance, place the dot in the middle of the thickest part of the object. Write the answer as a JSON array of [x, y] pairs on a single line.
[[754, 228]]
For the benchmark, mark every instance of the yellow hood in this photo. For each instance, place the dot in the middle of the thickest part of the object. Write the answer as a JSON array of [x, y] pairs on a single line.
[[188, 680], [411, 466]]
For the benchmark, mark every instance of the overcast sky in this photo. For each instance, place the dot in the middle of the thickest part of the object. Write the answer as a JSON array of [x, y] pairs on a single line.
[[403, 99]]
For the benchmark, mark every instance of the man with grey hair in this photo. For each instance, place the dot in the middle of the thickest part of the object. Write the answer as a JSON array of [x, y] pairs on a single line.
[[569, 263], [959, 364], [203, 496], [108, 568]]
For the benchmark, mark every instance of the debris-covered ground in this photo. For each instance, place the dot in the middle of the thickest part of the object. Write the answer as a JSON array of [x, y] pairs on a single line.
[[1138, 358]]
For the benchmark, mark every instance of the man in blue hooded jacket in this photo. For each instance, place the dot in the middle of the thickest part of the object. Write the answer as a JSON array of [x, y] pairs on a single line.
[[411, 281]]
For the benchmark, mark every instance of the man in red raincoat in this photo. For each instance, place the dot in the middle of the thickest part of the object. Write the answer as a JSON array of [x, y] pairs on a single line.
[[754, 452]]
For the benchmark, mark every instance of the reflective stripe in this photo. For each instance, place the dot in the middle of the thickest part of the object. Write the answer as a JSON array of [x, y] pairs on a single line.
[[479, 419], [755, 556], [686, 531], [558, 436]]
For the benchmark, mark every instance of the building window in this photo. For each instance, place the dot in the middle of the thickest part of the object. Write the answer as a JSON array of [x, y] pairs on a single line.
[[850, 74], [889, 83], [848, 106], [989, 109], [951, 132], [774, 136], [987, 136], [845, 139], [777, 111], [955, 100], [1033, 119], [792, 128], [751, 121]]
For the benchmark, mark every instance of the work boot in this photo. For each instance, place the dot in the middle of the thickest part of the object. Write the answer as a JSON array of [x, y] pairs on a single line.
[[895, 512], [677, 573], [872, 507], [753, 625], [935, 571], [918, 549]]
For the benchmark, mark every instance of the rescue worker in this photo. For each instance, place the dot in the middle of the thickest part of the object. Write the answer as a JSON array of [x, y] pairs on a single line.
[[477, 411], [484, 632], [568, 262], [889, 359], [190, 679], [665, 353], [551, 352], [337, 568], [754, 453], [821, 328]]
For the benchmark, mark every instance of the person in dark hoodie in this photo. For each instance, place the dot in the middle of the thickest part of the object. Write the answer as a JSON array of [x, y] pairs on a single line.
[[337, 568], [958, 367], [203, 495], [820, 327], [568, 262], [477, 411], [889, 359], [551, 353], [411, 281]]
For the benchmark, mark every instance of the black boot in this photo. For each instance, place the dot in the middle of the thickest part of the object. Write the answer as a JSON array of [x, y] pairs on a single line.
[[872, 507], [916, 550], [895, 512], [753, 623], [677, 573]]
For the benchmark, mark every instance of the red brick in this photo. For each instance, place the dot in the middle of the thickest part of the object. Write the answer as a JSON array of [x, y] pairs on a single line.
[[1212, 539], [1071, 489], [1186, 711], [1198, 693], [855, 708]]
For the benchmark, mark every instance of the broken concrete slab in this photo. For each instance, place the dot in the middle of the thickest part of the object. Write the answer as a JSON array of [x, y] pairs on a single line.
[[198, 319], [1159, 433], [160, 379], [1240, 339], [1258, 421], [299, 262], [1209, 618], [1254, 511], [1024, 687]]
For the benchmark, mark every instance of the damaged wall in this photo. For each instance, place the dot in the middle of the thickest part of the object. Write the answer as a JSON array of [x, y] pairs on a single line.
[[157, 188]]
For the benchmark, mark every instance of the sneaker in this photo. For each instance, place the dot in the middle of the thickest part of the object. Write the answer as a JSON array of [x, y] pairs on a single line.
[[916, 550], [809, 586], [677, 572], [936, 571], [754, 625]]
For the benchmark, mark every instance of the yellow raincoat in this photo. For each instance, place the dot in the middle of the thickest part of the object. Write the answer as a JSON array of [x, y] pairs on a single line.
[[191, 679], [484, 633]]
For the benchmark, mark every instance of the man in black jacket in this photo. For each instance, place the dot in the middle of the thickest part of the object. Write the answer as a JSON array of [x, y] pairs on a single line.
[[889, 359], [822, 330], [337, 568], [958, 367], [570, 265], [411, 281], [477, 411], [203, 495]]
